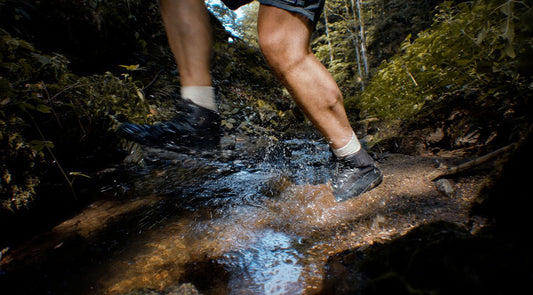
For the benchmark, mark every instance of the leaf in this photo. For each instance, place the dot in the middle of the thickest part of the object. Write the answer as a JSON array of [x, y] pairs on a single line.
[[509, 50], [79, 174], [481, 36], [48, 144], [406, 43], [508, 31], [43, 108], [5, 101], [39, 145], [130, 67], [140, 94], [506, 9], [26, 106]]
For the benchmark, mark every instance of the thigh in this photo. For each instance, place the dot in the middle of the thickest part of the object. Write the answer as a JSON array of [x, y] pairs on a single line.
[[285, 32], [311, 9]]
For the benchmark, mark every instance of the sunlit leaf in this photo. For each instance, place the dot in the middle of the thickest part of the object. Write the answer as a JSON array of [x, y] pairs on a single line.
[[130, 67], [79, 174]]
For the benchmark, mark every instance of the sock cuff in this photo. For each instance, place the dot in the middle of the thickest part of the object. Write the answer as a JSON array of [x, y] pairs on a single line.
[[201, 95], [351, 147]]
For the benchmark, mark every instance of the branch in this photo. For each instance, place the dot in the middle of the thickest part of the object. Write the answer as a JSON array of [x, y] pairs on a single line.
[[439, 173], [153, 80]]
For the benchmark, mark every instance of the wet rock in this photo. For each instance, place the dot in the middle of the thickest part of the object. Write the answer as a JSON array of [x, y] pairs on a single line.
[[275, 186], [445, 187], [365, 141]]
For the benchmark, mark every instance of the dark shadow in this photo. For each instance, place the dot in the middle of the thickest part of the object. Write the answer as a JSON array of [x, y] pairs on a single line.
[[443, 258], [208, 276]]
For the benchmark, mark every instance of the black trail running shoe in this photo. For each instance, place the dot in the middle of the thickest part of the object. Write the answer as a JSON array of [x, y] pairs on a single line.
[[355, 174], [194, 129]]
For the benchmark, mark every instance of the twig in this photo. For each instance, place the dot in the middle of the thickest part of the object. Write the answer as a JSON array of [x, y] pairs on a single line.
[[60, 92], [153, 80], [412, 78], [439, 173], [51, 105], [54, 158]]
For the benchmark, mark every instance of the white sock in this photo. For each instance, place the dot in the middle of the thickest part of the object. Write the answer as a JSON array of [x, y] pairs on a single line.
[[201, 95], [353, 146]]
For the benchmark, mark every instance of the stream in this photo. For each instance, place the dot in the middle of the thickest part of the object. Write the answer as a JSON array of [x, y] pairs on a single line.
[[260, 219], [238, 226]]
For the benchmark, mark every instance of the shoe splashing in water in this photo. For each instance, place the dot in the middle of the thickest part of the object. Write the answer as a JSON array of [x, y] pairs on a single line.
[[194, 129]]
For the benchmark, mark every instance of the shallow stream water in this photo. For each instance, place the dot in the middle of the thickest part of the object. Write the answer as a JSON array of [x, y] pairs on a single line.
[[259, 219], [243, 225]]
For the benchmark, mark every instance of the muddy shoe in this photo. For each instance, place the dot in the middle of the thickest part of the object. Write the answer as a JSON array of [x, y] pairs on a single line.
[[194, 129], [355, 174]]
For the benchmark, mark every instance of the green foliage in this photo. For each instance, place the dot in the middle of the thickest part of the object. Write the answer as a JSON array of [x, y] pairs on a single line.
[[48, 114], [251, 98], [18, 180], [352, 37], [337, 44], [390, 22], [18, 156], [467, 63]]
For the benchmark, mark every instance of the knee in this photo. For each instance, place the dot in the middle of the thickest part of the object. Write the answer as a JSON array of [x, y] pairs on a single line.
[[270, 48], [280, 54]]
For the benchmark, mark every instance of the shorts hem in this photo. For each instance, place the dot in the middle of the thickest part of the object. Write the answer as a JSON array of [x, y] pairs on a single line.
[[286, 6]]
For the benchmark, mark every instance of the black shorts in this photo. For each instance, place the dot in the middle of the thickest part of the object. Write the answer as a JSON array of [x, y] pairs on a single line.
[[309, 8]]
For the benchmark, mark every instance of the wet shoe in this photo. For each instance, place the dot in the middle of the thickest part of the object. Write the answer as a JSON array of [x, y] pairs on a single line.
[[194, 129], [355, 174]]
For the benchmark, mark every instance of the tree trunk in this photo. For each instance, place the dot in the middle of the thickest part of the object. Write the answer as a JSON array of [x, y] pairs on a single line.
[[356, 46], [362, 39], [328, 39]]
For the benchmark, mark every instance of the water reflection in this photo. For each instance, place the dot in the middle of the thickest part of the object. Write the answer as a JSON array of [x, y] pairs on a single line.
[[266, 265]]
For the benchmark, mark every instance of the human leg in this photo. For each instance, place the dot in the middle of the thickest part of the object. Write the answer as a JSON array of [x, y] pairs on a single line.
[[197, 124], [284, 40], [190, 40]]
